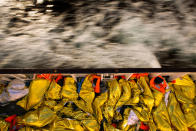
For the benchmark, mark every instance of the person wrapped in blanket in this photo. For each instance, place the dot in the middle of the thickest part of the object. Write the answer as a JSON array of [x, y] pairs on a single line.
[[91, 104]]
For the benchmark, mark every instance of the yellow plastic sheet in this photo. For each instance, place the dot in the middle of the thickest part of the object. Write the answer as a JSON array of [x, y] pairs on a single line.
[[180, 112], [123, 125], [36, 94], [114, 95], [161, 117], [160, 113], [143, 114], [98, 105], [39, 117], [91, 125], [190, 115], [87, 93], [126, 93], [176, 115], [69, 90], [146, 97], [50, 103], [117, 116], [86, 119], [158, 96], [4, 125], [152, 126], [54, 91], [135, 93], [184, 89], [78, 114], [60, 105], [66, 124], [83, 106], [27, 128]]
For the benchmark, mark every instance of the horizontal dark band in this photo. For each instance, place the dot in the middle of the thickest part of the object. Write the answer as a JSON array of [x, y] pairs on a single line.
[[100, 70]]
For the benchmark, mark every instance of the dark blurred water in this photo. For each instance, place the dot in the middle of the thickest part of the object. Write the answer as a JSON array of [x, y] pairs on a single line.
[[97, 34]]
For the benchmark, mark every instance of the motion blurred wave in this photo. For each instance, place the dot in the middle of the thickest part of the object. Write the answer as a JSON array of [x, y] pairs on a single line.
[[97, 34]]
